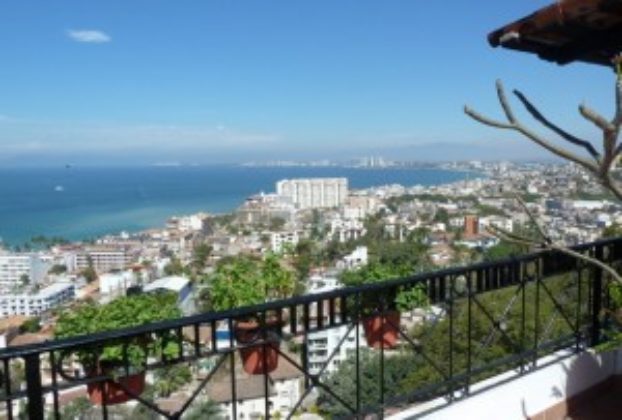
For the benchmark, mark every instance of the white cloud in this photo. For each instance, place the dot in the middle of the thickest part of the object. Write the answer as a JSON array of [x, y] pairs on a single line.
[[89, 36]]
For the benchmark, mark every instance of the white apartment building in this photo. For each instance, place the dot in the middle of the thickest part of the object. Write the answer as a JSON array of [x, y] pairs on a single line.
[[321, 344], [116, 284], [278, 240], [14, 266], [34, 304], [103, 260], [309, 193], [346, 229]]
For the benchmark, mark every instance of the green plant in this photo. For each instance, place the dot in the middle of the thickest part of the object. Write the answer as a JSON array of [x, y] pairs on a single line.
[[124, 312], [244, 281], [32, 325], [403, 298]]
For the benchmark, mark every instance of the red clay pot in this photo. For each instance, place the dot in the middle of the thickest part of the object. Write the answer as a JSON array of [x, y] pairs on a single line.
[[115, 394], [378, 335], [253, 357]]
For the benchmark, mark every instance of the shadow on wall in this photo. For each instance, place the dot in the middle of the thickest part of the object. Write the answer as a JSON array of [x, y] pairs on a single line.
[[602, 399], [590, 382]]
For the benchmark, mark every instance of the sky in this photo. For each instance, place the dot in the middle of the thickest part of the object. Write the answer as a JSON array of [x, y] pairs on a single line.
[[141, 82]]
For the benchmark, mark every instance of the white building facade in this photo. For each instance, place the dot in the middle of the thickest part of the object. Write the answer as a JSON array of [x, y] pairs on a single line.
[[35, 304], [14, 266]]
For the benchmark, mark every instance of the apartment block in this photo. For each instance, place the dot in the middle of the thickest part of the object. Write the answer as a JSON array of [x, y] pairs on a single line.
[[34, 304]]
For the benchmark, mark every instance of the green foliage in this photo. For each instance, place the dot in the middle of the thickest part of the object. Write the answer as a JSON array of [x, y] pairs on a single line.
[[32, 325], [243, 281], [174, 268], [58, 269], [408, 370], [205, 410], [406, 298], [89, 274], [306, 254], [612, 231], [504, 249], [121, 313], [171, 378], [485, 210], [24, 279], [77, 409], [276, 224], [441, 216], [200, 254]]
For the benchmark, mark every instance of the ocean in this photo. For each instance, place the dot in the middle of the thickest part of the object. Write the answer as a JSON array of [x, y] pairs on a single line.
[[81, 203]]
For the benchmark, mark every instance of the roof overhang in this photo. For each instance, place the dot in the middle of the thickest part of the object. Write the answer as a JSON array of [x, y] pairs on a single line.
[[567, 31]]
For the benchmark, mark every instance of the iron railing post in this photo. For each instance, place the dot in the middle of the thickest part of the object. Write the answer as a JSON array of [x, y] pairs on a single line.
[[34, 388], [597, 291]]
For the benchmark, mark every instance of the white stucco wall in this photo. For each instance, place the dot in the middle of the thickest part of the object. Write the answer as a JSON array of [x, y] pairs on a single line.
[[526, 395]]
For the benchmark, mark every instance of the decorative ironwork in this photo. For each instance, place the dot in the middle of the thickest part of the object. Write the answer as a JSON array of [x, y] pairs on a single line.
[[489, 318]]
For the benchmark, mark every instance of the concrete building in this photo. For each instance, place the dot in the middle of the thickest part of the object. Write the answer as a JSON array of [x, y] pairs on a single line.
[[36, 303], [103, 259], [471, 225], [116, 284], [278, 240], [309, 193], [14, 266], [321, 344], [179, 285]]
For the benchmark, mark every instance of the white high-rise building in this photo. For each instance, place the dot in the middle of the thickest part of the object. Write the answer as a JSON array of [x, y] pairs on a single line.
[[309, 193]]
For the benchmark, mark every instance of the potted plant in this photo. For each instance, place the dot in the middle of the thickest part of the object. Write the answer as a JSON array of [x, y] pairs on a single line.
[[123, 362], [244, 281], [381, 311]]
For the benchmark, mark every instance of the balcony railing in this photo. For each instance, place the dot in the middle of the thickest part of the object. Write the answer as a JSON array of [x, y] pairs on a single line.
[[480, 320]]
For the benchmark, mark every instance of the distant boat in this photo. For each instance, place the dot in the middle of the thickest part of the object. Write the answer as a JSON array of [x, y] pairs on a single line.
[[59, 188]]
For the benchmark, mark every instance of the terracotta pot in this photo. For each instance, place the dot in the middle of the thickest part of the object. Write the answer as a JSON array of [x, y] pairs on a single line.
[[254, 356], [382, 330], [115, 394]]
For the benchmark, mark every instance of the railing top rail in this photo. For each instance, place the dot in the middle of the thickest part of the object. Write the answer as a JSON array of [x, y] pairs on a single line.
[[209, 317]]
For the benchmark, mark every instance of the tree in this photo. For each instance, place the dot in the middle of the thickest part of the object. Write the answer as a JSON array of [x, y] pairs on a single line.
[[599, 164], [612, 231], [24, 279], [207, 409], [89, 274], [58, 269], [200, 255], [174, 268], [276, 224], [32, 325], [171, 378]]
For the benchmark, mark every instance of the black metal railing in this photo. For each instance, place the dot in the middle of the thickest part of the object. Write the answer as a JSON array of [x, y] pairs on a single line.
[[479, 321]]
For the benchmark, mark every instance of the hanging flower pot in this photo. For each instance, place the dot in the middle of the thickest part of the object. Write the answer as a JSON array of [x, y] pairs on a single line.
[[113, 391], [121, 361], [382, 330], [247, 281], [262, 357]]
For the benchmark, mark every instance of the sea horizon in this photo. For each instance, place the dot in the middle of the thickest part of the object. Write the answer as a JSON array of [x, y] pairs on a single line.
[[80, 203]]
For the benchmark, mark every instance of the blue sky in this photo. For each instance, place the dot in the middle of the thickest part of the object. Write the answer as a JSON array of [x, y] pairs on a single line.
[[214, 81]]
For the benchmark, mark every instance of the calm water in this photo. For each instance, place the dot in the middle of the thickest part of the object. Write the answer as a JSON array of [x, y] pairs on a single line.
[[79, 203]]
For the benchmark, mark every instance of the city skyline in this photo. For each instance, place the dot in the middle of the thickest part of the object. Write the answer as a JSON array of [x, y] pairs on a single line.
[[94, 83]]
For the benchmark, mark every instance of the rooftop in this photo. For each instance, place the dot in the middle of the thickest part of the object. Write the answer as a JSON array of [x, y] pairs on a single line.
[[567, 31]]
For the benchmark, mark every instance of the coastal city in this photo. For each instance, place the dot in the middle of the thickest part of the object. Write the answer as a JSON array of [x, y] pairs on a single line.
[[317, 233]]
